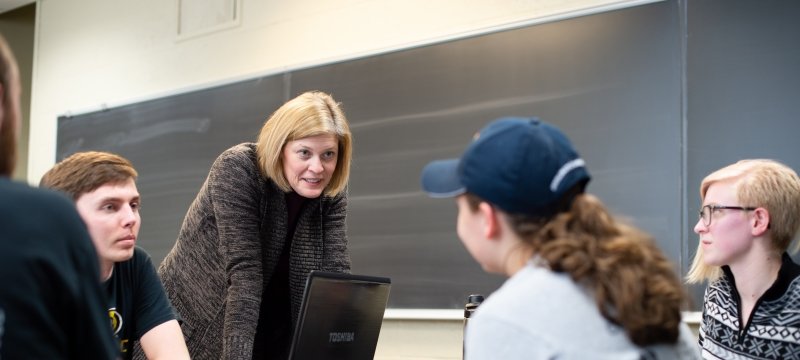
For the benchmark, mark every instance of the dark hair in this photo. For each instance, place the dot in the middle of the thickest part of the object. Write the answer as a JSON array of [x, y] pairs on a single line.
[[634, 285]]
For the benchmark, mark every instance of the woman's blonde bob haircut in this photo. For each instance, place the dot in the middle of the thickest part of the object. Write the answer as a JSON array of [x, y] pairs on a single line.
[[310, 114], [761, 183]]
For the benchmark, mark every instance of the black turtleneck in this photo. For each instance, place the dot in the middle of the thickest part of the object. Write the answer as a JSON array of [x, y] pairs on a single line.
[[275, 320]]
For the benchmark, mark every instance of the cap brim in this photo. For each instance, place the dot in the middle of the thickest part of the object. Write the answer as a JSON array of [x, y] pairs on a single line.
[[440, 179]]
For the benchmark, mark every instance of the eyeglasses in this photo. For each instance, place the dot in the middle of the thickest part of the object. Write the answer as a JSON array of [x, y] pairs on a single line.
[[708, 210]]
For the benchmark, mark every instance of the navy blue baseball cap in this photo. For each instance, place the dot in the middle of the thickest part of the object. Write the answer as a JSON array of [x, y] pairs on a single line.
[[521, 165]]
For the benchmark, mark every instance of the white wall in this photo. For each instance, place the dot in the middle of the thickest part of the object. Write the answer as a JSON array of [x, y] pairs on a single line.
[[91, 54]]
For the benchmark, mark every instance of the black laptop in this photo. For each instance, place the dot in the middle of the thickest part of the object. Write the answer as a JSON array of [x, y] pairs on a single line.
[[341, 317]]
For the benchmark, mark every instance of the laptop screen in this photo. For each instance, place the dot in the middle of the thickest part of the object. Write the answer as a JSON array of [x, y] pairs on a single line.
[[340, 317]]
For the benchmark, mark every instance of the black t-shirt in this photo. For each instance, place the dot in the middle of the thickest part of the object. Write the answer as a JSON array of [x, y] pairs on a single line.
[[136, 300], [51, 302]]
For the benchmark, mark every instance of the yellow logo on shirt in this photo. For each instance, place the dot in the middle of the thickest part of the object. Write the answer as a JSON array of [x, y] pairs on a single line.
[[116, 326], [116, 320]]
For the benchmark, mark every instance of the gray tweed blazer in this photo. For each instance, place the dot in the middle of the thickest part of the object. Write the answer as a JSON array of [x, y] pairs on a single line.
[[235, 228]]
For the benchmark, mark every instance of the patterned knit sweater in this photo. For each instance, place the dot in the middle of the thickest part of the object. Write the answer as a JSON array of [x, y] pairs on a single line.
[[236, 227], [773, 330]]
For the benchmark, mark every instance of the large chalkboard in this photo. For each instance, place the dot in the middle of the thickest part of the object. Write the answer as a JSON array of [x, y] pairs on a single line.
[[616, 82], [743, 71]]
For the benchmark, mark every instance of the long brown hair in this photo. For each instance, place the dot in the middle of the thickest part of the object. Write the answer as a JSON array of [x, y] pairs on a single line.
[[634, 285]]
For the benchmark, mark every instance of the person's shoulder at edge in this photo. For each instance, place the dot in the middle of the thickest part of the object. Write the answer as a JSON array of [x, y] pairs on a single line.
[[52, 218], [507, 296], [498, 328], [684, 349], [516, 296], [235, 160], [15, 190], [245, 149], [49, 206]]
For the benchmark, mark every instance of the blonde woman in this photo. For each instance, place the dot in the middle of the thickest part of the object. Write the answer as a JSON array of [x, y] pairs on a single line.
[[268, 213], [749, 217]]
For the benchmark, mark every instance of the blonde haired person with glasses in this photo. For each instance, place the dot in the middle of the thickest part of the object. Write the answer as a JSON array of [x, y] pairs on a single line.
[[749, 217]]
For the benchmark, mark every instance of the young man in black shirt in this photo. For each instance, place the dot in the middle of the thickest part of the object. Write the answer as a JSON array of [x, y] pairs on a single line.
[[104, 189]]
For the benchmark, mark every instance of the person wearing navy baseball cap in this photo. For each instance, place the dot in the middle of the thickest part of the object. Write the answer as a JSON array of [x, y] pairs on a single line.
[[582, 284]]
